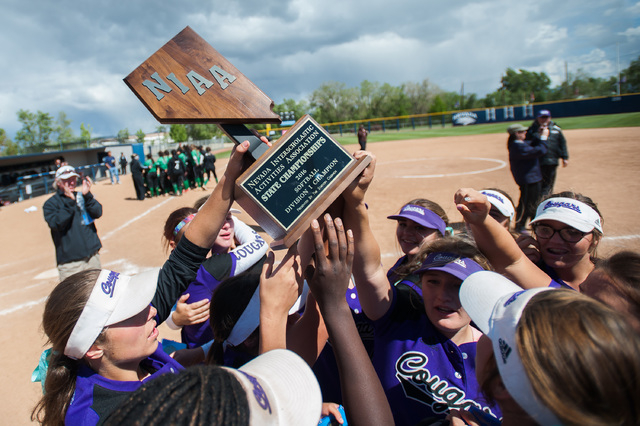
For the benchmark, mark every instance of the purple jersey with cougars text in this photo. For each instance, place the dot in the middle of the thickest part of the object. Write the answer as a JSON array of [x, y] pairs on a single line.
[[412, 280], [422, 372], [96, 397]]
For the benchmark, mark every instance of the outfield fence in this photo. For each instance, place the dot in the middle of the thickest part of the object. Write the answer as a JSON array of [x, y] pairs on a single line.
[[559, 109]]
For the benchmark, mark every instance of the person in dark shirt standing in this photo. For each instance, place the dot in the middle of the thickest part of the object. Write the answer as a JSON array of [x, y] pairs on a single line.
[[524, 158], [70, 216], [176, 170], [362, 137], [138, 179], [210, 165], [123, 164], [557, 149]]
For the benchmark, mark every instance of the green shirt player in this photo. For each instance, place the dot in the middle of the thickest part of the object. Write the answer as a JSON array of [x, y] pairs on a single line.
[[183, 157], [152, 175], [161, 167], [198, 160]]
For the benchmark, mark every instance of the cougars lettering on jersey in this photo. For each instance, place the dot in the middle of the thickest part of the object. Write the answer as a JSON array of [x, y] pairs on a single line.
[[423, 386], [422, 372]]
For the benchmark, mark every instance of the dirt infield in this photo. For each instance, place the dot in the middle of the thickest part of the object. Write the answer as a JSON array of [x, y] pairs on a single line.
[[604, 164]]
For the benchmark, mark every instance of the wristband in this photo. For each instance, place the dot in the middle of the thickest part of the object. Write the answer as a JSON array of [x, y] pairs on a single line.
[[171, 324]]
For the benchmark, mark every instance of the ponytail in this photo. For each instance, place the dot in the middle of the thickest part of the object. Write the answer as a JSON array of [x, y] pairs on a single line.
[[59, 387], [61, 312]]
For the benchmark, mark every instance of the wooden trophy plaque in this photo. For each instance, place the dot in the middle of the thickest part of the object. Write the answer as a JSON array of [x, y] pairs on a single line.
[[291, 183]]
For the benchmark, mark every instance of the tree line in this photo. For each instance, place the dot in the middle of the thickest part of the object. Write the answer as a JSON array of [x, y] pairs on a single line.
[[334, 101]]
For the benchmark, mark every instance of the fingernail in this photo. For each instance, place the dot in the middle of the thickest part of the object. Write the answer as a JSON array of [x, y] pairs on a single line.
[[467, 199]]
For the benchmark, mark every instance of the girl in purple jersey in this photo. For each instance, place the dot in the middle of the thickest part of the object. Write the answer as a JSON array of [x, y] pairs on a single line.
[[424, 349], [614, 281], [226, 260], [102, 327], [566, 231], [419, 221]]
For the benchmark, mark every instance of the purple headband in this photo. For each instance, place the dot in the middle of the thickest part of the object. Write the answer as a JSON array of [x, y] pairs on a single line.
[[454, 264], [182, 223], [422, 216]]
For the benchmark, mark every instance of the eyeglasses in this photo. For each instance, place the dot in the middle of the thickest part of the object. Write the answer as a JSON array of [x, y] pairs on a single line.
[[568, 234]]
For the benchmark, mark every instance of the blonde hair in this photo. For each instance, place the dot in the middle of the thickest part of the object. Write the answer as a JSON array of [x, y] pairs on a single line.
[[581, 359]]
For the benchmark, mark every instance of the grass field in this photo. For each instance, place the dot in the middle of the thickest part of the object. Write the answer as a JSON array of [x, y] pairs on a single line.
[[585, 122], [437, 131]]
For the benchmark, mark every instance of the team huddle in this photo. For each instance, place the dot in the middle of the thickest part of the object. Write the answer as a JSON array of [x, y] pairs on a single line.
[[507, 320]]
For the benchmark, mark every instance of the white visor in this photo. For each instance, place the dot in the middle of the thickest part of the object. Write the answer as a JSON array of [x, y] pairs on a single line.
[[500, 202], [495, 305], [250, 318], [570, 212], [281, 389], [115, 297]]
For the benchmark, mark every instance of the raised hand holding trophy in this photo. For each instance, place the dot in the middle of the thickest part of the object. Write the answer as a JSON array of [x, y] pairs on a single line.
[[291, 183]]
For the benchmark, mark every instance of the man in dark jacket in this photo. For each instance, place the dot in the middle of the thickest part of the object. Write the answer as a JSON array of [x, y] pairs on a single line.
[[71, 215], [525, 167], [557, 149], [136, 175], [123, 164]]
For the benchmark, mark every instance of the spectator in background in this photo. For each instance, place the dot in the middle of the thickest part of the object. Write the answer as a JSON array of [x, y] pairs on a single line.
[[59, 162], [362, 137], [123, 164], [525, 167], [557, 149], [71, 215], [110, 162], [138, 179], [210, 165]]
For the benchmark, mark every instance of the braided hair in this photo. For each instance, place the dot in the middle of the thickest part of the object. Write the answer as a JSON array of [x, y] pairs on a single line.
[[201, 395]]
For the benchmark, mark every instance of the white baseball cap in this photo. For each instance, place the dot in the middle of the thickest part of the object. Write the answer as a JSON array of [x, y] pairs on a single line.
[[495, 305], [570, 212], [250, 318], [500, 202], [281, 389], [115, 297], [65, 172]]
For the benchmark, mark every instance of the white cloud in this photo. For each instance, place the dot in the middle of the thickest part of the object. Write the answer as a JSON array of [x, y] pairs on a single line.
[[545, 37], [288, 48], [631, 32], [634, 9]]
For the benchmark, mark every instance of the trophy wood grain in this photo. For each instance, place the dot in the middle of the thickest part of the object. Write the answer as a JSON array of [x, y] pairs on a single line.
[[240, 102]]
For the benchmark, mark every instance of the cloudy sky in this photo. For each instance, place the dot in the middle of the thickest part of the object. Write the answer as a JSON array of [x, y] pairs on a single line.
[[71, 55]]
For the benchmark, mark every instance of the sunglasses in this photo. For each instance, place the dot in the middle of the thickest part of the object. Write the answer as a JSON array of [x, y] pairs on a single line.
[[568, 234]]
